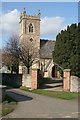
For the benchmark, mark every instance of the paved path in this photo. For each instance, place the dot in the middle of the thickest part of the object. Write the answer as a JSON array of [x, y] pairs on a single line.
[[54, 84], [32, 105]]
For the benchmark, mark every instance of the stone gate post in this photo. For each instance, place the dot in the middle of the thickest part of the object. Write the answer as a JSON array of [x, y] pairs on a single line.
[[34, 79], [34, 76], [66, 81]]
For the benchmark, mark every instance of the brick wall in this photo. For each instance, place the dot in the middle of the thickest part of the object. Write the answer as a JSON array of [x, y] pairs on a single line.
[[66, 84], [34, 79]]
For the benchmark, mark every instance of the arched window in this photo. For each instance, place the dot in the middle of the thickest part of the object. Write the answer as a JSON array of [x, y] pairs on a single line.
[[30, 28], [31, 39]]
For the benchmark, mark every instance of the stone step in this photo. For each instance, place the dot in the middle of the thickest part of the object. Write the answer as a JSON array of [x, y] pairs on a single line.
[[60, 88], [54, 84]]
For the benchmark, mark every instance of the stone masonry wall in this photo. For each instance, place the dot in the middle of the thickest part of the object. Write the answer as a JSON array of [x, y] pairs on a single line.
[[74, 84]]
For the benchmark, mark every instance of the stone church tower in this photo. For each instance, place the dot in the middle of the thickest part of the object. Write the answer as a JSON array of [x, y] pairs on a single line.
[[30, 37], [30, 29]]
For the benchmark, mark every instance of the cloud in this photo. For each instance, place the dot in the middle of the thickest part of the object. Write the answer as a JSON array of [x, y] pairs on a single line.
[[10, 22], [51, 26]]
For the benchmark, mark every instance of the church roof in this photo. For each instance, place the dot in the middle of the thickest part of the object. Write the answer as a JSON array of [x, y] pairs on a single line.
[[46, 48]]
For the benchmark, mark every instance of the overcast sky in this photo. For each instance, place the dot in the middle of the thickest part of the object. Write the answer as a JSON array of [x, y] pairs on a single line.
[[55, 16]]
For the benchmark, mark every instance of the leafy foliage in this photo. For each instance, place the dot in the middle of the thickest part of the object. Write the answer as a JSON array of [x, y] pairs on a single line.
[[67, 49]]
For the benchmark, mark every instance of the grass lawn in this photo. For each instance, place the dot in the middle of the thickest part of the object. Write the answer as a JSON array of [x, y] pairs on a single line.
[[56, 94], [8, 105]]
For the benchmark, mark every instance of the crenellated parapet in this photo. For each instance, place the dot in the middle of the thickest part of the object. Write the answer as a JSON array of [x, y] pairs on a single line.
[[33, 17]]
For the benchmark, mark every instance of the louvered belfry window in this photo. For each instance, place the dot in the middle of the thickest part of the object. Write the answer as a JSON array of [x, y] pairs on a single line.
[[30, 28]]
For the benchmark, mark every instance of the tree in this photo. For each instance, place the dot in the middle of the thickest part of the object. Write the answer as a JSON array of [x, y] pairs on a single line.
[[16, 53], [11, 54], [28, 54], [67, 49]]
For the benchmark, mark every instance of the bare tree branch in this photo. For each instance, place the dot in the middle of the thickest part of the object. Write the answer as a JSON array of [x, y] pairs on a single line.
[[24, 52], [11, 54], [28, 54]]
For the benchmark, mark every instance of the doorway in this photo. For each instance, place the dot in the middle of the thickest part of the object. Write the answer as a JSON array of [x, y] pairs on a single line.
[[54, 72]]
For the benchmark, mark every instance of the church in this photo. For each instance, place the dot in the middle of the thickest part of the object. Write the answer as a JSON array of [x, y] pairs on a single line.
[[30, 33]]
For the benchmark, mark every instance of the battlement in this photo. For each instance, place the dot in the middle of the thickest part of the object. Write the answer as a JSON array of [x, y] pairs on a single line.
[[25, 16]]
